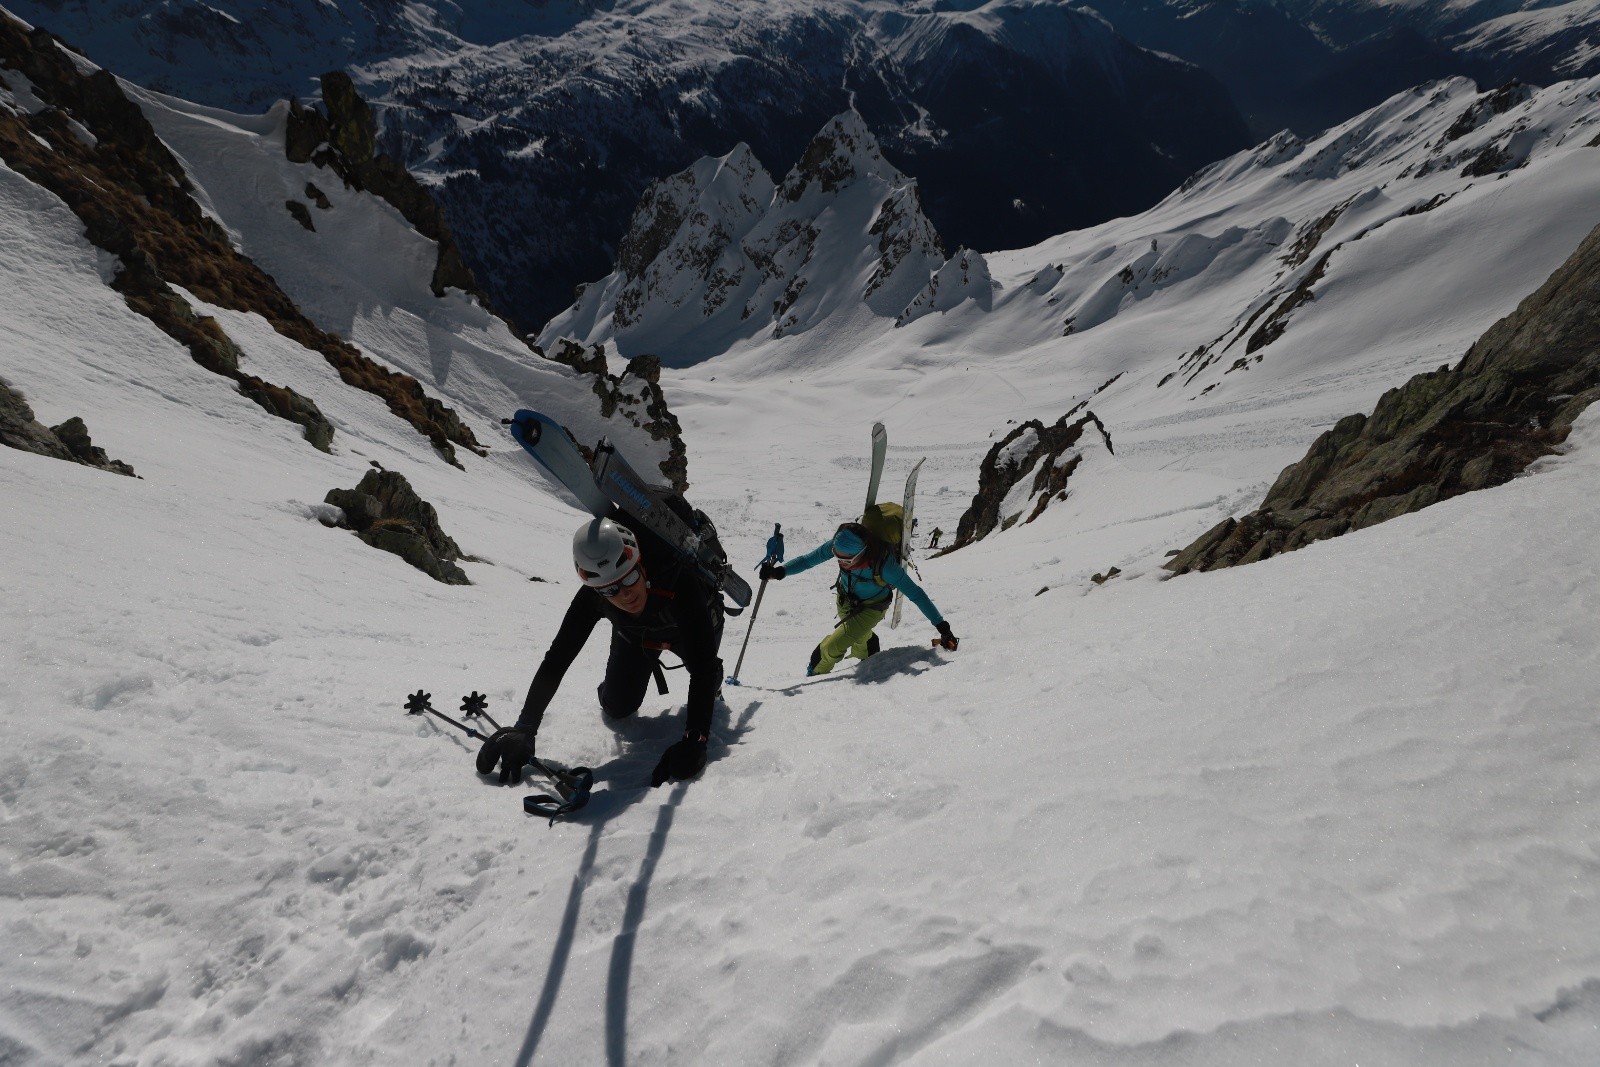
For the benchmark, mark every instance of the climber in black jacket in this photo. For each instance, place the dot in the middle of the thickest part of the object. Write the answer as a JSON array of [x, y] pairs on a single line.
[[655, 605]]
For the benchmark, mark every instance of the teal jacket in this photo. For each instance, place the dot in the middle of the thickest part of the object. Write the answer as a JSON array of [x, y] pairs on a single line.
[[861, 585]]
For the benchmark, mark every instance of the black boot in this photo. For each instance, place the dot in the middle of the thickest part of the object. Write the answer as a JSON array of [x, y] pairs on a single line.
[[816, 658], [873, 645]]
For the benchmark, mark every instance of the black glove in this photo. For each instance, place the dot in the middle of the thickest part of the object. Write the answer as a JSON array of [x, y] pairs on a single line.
[[771, 572], [511, 748], [947, 640], [685, 759]]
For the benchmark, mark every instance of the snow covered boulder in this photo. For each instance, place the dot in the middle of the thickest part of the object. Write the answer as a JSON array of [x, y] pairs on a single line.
[[1027, 469]]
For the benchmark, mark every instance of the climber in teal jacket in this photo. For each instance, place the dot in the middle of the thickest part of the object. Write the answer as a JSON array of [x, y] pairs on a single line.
[[870, 572]]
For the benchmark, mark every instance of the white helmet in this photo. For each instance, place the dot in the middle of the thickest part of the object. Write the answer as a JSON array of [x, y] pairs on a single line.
[[604, 551]]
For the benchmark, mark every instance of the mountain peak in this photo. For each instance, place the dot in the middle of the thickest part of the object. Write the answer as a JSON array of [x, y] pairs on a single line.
[[843, 152]]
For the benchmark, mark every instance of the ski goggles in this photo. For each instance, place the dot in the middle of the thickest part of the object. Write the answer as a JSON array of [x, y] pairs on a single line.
[[627, 581]]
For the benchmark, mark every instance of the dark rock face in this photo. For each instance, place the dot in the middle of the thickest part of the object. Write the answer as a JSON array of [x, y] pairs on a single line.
[[69, 441], [1511, 400], [301, 213], [134, 201], [1018, 456], [387, 513], [345, 140]]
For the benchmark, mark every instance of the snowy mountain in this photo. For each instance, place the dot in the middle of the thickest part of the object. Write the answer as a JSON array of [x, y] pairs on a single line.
[[1276, 226], [1019, 118], [1335, 806], [719, 253], [542, 123]]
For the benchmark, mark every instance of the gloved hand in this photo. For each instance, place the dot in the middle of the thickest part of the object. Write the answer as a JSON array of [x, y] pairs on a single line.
[[685, 759], [772, 572], [511, 748], [947, 640]]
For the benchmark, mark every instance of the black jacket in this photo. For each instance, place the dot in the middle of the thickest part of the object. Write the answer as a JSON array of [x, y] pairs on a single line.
[[681, 616]]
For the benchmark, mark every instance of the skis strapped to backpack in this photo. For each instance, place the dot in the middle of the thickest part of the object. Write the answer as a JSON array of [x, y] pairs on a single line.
[[613, 483]]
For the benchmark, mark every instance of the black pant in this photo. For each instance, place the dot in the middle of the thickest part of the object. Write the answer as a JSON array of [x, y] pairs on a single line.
[[628, 671]]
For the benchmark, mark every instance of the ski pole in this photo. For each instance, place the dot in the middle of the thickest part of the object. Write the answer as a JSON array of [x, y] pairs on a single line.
[[774, 555], [733, 679], [576, 781], [418, 704]]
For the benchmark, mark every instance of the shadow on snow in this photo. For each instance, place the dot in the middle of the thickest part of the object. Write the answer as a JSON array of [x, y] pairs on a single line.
[[632, 766]]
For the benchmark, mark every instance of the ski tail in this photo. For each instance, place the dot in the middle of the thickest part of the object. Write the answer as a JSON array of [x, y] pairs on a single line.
[[548, 442], [880, 446]]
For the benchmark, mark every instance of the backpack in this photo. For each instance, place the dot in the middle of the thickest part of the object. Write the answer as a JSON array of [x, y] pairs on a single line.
[[713, 557], [886, 525], [882, 527]]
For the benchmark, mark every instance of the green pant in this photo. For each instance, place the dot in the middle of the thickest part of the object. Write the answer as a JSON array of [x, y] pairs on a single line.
[[856, 624]]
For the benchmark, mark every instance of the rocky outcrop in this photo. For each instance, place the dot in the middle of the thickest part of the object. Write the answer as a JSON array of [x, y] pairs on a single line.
[[345, 140], [634, 396], [965, 277], [638, 397], [1511, 400], [1027, 470], [386, 513], [70, 441], [93, 148]]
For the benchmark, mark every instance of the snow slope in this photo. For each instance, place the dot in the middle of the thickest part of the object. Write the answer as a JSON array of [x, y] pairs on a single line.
[[1337, 807]]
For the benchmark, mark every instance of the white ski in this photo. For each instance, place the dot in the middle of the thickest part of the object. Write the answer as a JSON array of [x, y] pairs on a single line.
[[880, 445], [906, 536]]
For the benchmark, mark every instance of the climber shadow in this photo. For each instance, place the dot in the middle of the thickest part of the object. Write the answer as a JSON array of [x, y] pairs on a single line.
[[620, 971], [624, 780], [890, 663]]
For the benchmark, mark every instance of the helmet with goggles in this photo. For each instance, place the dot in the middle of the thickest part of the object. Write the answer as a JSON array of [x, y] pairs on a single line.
[[606, 554], [851, 545]]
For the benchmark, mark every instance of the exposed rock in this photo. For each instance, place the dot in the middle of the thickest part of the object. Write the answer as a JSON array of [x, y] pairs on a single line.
[[1485, 108], [1511, 400], [590, 360], [1278, 321], [345, 141], [1049, 454], [75, 435], [318, 197], [634, 396], [387, 513], [306, 132], [70, 441], [134, 201], [301, 213], [965, 277]]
